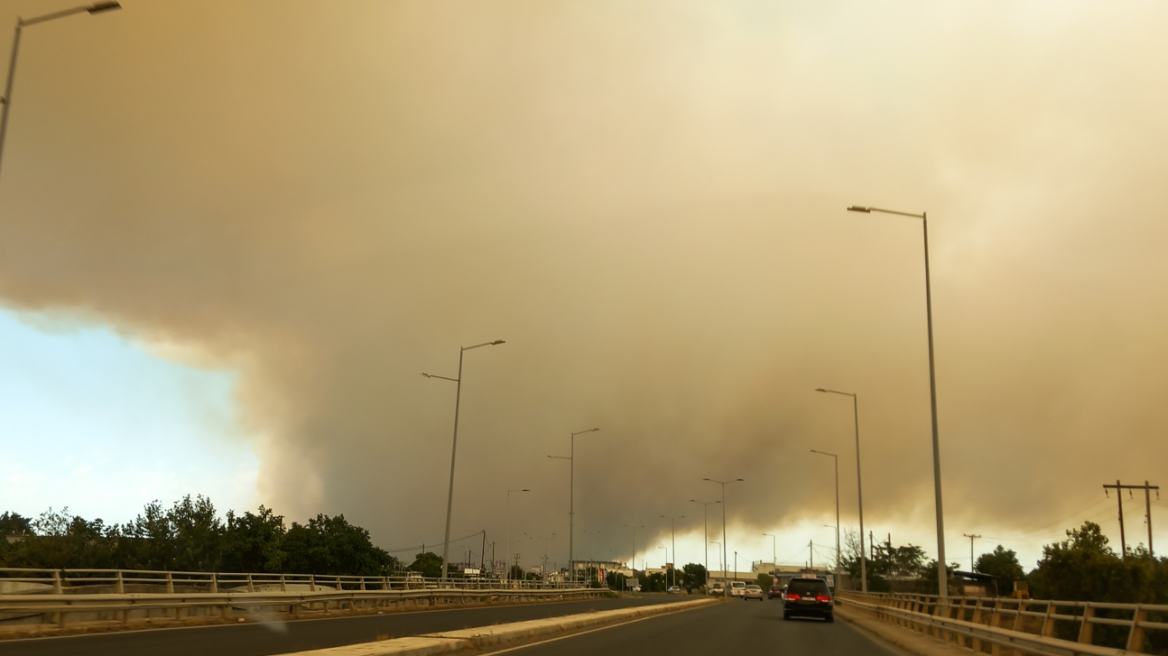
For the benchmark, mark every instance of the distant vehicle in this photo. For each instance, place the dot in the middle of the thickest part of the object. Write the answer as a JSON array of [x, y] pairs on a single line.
[[808, 597], [737, 588], [673, 589], [753, 592], [717, 589], [636, 588], [775, 591]]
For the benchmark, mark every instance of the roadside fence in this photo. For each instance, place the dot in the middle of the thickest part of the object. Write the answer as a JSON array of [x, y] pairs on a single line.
[[1006, 626], [32, 598]]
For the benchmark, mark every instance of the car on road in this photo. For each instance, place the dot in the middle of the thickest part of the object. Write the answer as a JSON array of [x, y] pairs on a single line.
[[753, 592], [808, 597], [775, 591], [717, 590], [674, 589], [737, 588]]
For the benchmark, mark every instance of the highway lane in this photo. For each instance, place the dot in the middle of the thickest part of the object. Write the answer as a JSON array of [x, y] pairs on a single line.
[[729, 628], [262, 639]]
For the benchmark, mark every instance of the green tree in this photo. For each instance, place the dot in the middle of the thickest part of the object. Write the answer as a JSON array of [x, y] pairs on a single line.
[[693, 575], [254, 543], [430, 565], [654, 582], [331, 545], [765, 580], [1085, 568], [14, 524], [58, 539], [1002, 564]]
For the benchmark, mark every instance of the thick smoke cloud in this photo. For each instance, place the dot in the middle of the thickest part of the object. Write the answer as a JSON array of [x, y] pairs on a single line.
[[646, 201]]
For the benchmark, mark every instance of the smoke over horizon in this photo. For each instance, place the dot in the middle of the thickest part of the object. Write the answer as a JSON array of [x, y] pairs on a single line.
[[647, 203]]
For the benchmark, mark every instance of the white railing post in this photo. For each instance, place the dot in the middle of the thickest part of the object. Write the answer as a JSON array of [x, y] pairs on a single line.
[[1135, 639], [1086, 631]]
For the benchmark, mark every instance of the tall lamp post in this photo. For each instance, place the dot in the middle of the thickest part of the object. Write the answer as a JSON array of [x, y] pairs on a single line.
[[706, 522], [95, 8], [837, 523], [942, 582], [665, 568], [720, 563], [634, 559], [859, 484], [673, 532], [571, 497], [454, 447], [725, 578], [507, 551]]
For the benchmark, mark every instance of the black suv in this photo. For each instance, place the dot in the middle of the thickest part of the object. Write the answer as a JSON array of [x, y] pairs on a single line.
[[808, 597]]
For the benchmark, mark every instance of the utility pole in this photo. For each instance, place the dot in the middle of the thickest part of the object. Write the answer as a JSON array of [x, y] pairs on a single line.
[[971, 539], [811, 554], [1148, 501]]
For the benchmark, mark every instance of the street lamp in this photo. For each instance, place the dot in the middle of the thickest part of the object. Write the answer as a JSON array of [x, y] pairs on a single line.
[[665, 568], [673, 531], [507, 551], [634, 560], [859, 485], [725, 560], [96, 8], [837, 553], [571, 497], [720, 563], [454, 448], [863, 578], [706, 522], [942, 582]]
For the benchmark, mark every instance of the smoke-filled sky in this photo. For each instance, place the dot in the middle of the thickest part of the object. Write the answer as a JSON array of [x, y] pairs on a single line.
[[308, 204]]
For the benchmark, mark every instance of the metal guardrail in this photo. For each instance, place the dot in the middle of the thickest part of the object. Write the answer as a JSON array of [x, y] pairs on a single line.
[[59, 609], [972, 622], [77, 580]]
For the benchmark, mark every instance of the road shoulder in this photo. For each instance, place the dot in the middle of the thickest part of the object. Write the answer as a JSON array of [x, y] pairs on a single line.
[[906, 640]]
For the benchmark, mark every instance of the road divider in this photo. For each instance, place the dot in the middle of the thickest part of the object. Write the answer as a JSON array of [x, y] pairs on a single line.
[[499, 635]]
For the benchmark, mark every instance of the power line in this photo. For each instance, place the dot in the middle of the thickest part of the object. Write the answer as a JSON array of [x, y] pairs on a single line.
[[423, 545], [1038, 531]]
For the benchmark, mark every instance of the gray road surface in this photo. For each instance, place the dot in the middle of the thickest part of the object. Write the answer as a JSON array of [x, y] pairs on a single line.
[[285, 637], [747, 627]]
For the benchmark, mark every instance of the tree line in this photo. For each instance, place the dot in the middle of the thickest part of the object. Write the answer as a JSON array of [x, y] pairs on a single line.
[[1083, 567], [191, 536]]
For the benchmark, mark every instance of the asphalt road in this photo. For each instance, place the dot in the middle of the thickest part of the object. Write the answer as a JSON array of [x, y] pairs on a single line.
[[260, 639], [733, 627]]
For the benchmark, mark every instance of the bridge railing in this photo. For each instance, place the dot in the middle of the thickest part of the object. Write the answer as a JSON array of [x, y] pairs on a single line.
[[1021, 626], [119, 581], [37, 612]]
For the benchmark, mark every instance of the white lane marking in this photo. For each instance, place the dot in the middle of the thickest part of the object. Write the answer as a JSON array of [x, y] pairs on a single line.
[[602, 628]]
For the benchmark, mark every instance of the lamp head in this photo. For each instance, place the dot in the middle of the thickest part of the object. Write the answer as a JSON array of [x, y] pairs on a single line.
[[820, 389], [857, 208], [98, 7], [497, 342]]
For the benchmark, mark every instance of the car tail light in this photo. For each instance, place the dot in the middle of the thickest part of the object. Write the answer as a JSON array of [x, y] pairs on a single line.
[[822, 598], [793, 597]]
